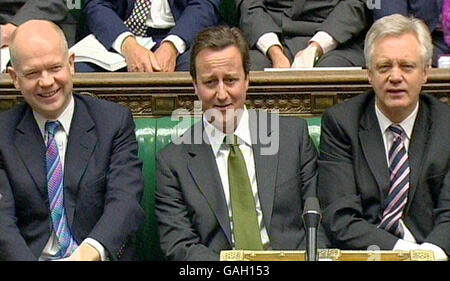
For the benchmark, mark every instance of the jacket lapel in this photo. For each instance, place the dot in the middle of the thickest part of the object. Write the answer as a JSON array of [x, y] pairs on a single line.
[[265, 165], [80, 146], [30, 147], [373, 148], [203, 169], [417, 149]]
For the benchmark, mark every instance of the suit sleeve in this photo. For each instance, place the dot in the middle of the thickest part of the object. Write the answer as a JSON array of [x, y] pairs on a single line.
[[441, 230], [52, 10], [177, 235], [347, 20], [308, 174], [122, 213], [103, 21], [12, 244], [343, 217], [196, 16], [254, 20]]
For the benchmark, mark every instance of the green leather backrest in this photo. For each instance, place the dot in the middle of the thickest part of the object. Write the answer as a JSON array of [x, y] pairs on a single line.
[[153, 134]]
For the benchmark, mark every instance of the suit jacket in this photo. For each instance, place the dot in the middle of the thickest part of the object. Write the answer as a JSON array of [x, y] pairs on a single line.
[[20, 11], [343, 20], [103, 182], [190, 203], [105, 18], [354, 178]]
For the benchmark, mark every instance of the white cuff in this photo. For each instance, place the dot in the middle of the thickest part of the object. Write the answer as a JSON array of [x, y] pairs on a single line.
[[326, 42], [439, 254], [99, 247], [266, 41], [403, 245], [177, 42], [117, 44]]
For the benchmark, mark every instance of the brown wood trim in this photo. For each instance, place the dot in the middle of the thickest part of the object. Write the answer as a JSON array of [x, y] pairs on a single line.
[[303, 93]]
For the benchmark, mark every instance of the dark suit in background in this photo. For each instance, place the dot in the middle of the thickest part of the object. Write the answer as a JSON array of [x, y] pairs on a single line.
[[103, 182], [427, 10], [20, 11], [105, 19], [296, 21], [354, 177], [190, 203]]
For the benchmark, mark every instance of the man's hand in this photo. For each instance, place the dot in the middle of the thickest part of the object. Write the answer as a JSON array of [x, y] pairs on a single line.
[[138, 58], [278, 58], [6, 30], [84, 252], [308, 56], [166, 55]]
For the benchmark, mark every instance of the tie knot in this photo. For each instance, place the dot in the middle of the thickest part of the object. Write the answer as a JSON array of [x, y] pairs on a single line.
[[396, 129], [52, 127], [231, 140]]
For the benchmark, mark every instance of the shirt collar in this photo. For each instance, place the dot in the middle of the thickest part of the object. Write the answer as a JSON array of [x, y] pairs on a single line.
[[65, 118], [407, 124], [216, 136]]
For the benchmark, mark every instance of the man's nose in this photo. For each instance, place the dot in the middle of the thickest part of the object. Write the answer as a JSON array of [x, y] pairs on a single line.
[[396, 75], [221, 91], [46, 80]]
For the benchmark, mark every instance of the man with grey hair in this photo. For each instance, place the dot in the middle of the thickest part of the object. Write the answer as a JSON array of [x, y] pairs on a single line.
[[384, 178]]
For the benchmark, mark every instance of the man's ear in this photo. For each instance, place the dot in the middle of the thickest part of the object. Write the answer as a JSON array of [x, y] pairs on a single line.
[[426, 73], [195, 86], [72, 63], [12, 72], [369, 75]]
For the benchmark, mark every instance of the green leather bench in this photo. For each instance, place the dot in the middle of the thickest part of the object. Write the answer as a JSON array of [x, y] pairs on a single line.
[[153, 134]]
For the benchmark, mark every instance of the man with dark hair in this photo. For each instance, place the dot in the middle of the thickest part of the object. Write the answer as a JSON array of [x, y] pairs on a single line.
[[237, 179], [70, 176], [384, 176]]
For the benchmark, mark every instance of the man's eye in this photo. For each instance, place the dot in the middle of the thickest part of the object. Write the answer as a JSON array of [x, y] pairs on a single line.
[[31, 75], [56, 68]]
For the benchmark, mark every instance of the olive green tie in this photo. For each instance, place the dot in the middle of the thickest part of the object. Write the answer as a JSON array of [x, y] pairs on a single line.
[[246, 230]]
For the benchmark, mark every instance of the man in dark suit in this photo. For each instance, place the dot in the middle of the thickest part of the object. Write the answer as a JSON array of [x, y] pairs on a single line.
[[172, 24], [15, 12], [245, 193], [384, 163], [430, 11], [69, 173], [299, 33]]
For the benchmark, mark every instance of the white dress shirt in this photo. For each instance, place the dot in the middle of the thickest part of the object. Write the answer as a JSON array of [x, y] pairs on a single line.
[[326, 42], [408, 242], [221, 152], [61, 137], [160, 17]]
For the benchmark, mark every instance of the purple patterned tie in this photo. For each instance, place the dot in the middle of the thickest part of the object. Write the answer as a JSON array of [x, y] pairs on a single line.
[[446, 21], [56, 194], [136, 22], [398, 191]]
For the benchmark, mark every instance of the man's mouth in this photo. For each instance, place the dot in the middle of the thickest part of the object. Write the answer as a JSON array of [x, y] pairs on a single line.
[[396, 91], [48, 94]]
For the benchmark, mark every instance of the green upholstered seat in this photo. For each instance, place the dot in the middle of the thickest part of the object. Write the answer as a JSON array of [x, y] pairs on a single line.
[[153, 134]]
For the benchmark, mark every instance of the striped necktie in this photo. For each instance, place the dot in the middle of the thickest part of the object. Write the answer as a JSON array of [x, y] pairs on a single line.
[[399, 184], [56, 193], [247, 233], [136, 22]]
